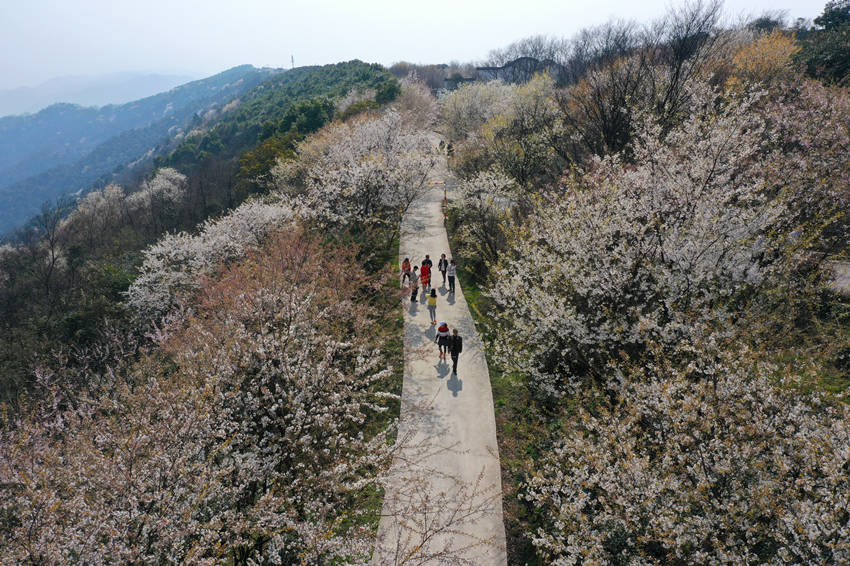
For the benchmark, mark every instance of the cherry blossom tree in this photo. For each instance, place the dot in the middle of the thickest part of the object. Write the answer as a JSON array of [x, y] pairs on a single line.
[[721, 465], [520, 140], [176, 264], [96, 213], [416, 105], [624, 255], [154, 202], [470, 106], [252, 441], [355, 96], [479, 214], [514, 129], [811, 126], [150, 208], [366, 171]]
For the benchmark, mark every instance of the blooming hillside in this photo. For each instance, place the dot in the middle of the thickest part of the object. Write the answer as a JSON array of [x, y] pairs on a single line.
[[647, 243]]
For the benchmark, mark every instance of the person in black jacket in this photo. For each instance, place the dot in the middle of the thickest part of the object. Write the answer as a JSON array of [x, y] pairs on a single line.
[[442, 266], [455, 348]]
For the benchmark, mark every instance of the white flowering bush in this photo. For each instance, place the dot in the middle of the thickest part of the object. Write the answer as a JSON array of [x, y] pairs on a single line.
[[469, 107], [416, 105], [722, 466], [155, 202], [354, 96], [252, 442], [521, 139], [152, 209], [479, 214], [812, 129], [177, 262], [97, 213], [167, 186], [628, 254], [364, 171]]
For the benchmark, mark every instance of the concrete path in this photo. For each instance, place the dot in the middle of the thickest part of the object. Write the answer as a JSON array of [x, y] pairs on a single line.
[[443, 504]]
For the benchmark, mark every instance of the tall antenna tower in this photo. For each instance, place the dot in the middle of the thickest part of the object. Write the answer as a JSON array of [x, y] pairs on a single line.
[[293, 61]]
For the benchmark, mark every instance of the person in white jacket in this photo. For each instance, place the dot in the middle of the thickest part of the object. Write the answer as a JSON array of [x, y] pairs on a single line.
[[451, 272]]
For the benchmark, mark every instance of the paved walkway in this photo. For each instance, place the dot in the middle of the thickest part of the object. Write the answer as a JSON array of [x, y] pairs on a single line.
[[444, 501]]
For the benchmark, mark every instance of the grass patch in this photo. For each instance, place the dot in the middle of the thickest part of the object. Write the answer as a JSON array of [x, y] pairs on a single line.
[[810, 343]]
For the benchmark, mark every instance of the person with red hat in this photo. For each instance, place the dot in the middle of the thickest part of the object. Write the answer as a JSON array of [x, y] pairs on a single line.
[[442, 339]]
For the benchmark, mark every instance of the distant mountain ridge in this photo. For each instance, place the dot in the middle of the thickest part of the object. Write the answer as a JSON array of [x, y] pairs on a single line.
[[114, 88], [65, 148]]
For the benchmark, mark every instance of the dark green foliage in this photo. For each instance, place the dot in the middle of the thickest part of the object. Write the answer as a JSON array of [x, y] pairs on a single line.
[[357, 108], [307, 117], [255, 164], [826, 49], [766, 23], [279, 139], [268, 109], [836, 14], [387, 91]]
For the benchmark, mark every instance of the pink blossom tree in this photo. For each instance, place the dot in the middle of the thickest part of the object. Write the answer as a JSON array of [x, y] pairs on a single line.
[[250, 437]]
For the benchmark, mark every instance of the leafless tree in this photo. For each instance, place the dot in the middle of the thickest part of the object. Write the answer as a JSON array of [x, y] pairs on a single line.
[[540, 47], [619, 69], [48, 248]]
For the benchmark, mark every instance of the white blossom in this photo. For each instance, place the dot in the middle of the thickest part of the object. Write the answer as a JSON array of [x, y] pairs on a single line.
[[175, 264]]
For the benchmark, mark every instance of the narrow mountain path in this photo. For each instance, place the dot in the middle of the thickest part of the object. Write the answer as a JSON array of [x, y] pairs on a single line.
[[444, 500]]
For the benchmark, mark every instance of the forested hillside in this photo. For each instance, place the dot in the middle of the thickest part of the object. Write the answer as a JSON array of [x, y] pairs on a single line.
[[228, 408], [648, 248], [205, 367], [65, 148], [64, 277]]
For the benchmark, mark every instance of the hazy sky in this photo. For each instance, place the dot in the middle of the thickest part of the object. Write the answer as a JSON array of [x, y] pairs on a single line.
[[42, 39]]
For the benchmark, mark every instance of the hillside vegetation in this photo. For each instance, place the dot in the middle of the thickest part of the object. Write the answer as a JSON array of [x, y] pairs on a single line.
[[670, 362], [232, 409], [65, 277], [65, 148], [206, 367]]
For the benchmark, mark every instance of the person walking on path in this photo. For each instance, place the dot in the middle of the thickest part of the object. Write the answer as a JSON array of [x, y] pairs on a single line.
[[442, 339], [442, 266], [451, 271], [406, 272], [414, 284], [425, 276], [455, 347], [432, 306], [427, 261]]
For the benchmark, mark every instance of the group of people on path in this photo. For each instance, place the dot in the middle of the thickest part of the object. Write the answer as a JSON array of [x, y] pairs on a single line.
[[450, 343], [417, 276]]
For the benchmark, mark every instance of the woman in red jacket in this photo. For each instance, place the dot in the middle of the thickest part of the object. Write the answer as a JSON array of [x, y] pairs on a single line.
[[425, 277]]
